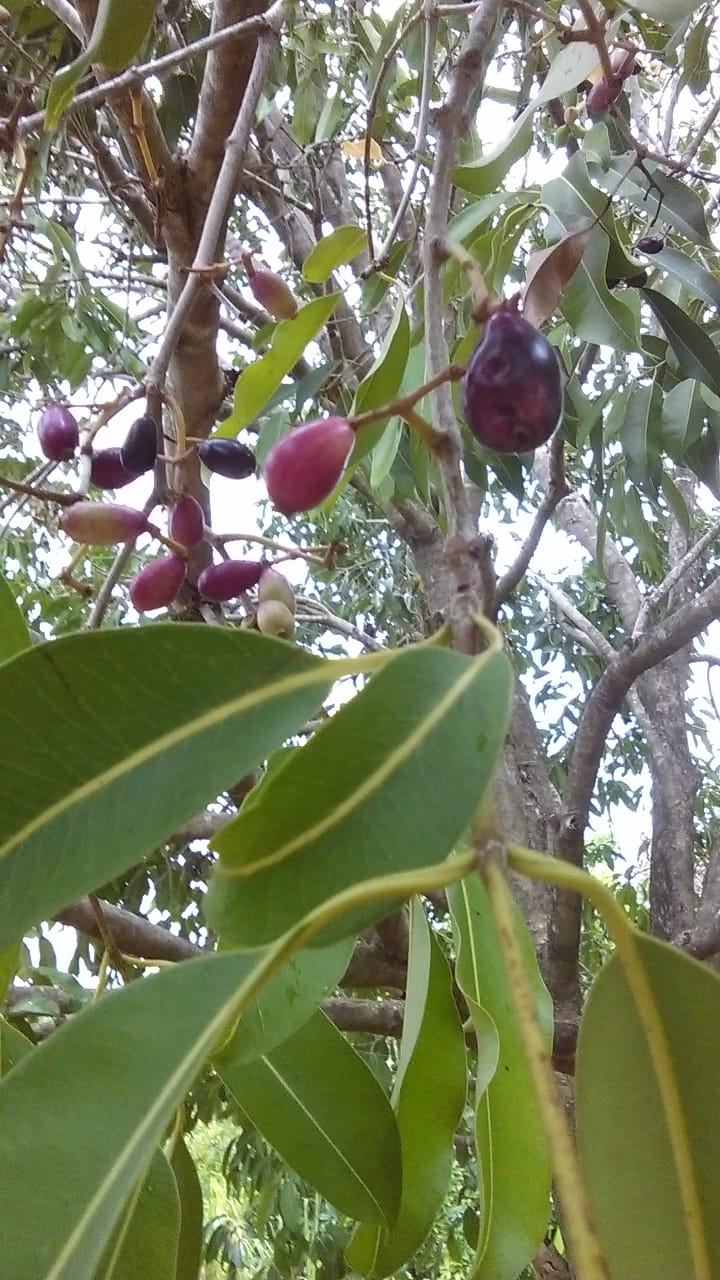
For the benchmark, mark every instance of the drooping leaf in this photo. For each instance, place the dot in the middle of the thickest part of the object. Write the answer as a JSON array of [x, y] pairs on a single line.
[[14, 1046], [683, 416], [422, 736], [428, 1099], [14, 634], [119, 31], [593, 311], [644, 1209], [382, 381], [548, 272], [340, 246], [641, 434], [694, 349], [109, 1080], [261, 379], [319, 1105], [145, 1242], [701, 282], [681, 207], [512, 1156], [101, 721], [190, 1243]]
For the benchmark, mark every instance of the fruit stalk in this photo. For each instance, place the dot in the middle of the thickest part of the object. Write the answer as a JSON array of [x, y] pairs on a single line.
[[401, 404], [33, 491]]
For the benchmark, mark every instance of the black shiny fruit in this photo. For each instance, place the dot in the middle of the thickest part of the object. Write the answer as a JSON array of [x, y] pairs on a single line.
[[228, 458], [512, 387], [141, 445], [108, 471], [58, 433], [650, 244]]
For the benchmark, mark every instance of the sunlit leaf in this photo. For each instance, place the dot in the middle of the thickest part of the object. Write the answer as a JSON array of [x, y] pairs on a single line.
[[119, 31], [340, 246]]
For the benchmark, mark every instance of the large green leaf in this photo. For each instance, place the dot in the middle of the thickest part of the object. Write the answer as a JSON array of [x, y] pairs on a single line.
[[382, 381], [641, 1207], [681, 207], [574, 199], [14, 1046], [694, 349], [683, 417], [261, 379], [100, 722], [593, 311], [319, 1105], [106, 1083], [512, 1156], [14, 634], [422, 738], [287, 1001], [701, 282], [119, 31], [189, 1191], [340, 246], [641, 433], [145, 1242], [428, 1099]]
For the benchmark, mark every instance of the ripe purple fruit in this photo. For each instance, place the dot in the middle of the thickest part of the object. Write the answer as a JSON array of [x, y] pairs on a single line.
[[650, 244], [602, 95], [274, 586], [187, 523], [139, 450], [227, 580], [58, 433], [302, 469], [512, 386], [228, 458], [275, 619], [271, 291], [102, 523], [157, 584], [108, 471]]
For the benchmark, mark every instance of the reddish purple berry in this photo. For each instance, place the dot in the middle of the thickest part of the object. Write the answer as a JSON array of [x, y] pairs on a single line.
[[227, 580], [102, 523], [58, 433], [187, 523], [228, 458], [271, 291], [108, 471], [512, 387], [139, 450], [157, 585], [302, 469], [602, 95]]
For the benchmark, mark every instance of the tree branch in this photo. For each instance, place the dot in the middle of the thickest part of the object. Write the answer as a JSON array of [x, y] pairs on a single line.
[[556, 490]]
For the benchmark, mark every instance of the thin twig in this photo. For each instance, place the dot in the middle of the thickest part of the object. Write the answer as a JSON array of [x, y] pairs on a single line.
[[109, 943], [557, 490], [677, 572], [317, 613]]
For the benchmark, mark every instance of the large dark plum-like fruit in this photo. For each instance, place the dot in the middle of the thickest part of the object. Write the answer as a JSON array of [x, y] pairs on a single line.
[[302, 469], [102, 523], [108, 471], [230, 458], [512, 387], [157, 584], [228, 580], [140, 447], [187, 522], [58, 433]]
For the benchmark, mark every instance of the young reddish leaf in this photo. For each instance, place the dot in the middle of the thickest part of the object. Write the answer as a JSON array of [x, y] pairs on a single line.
[[549, 270]]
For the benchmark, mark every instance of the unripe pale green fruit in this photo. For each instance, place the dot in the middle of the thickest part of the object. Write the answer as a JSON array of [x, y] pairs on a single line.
[[101, 524], [275, 619], [275, 586]]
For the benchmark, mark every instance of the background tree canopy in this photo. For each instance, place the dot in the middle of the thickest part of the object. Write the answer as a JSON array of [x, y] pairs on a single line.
[[368, 923]]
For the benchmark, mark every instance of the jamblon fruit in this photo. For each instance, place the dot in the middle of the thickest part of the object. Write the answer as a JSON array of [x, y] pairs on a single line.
[[140, 448], [58, 433], [228, 580], [230, 458], [302, 469], [108, 471], [512, 387], [187, 523], [101, 524], [157, 584]]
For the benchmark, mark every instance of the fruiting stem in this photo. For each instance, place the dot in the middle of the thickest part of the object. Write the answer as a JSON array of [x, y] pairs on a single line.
[[177, 548], [401, 406], [314, 555], [577, 1225], [31, 491]]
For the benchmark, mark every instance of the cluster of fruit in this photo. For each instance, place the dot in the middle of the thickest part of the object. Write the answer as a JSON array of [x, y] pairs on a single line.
[[59, 437]]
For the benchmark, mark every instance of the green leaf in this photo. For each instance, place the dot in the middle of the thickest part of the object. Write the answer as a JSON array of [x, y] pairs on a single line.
[[14, 634], [101, 721], [341, 246], [14, 1046], [422, 737], [145, 1242], [574, 198], [665, 11], [681, 207], [261, 379], [108, 1082], [640, 1209], [428, 1099], [189, 1191], [9, 961], [641, 433], [512, 1156], [593, 311], [382, 381], [683, 417], [694, 349], [119, 31], [287, 1001], [321, 1108], [676, 502], [701, 282]]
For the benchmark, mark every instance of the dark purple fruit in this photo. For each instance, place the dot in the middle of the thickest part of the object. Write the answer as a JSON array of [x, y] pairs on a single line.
[[157, 585], [187, 523], [602, 95], [108, 471], [512, 387], [228, 458], [139, 450], [58, 433], [302, 469], [102, 523], [650, 244], [227, 580]]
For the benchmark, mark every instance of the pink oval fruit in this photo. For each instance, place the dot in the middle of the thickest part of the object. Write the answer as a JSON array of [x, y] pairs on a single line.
[[512, 387], [302, 469], [108, 471], [58, 433], [602, 95], [187, 522], [102, 523], [157, 584], [271, 291], [140, 447], [228, 580], [274, 586]]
